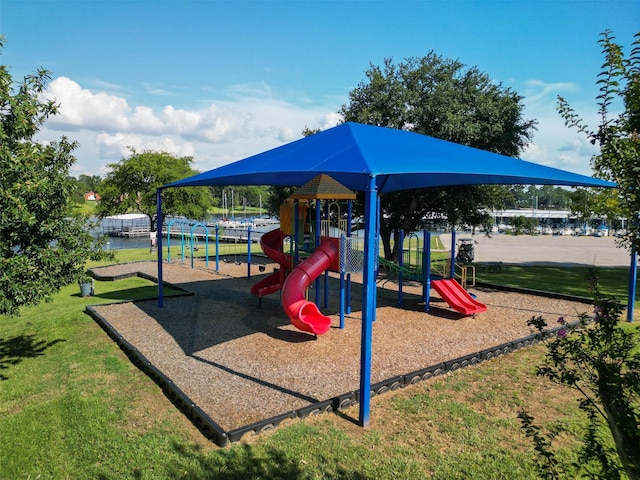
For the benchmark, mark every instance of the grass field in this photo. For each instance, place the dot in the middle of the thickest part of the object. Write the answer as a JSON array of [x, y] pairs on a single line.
[[570, 281], [73, 406]]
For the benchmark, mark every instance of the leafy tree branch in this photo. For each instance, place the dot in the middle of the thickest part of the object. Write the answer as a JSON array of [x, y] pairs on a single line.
[[131, 184], [43, 245], [442, 98], [602, 362], [618, 134]]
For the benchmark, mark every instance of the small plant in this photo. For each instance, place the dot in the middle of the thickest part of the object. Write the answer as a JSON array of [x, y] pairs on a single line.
[[599, 359]]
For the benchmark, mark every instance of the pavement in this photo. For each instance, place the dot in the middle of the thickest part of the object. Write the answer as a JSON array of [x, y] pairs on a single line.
[[545, 250]]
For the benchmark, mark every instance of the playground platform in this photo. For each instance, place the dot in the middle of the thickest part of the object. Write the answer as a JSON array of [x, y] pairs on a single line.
[[236, 369]]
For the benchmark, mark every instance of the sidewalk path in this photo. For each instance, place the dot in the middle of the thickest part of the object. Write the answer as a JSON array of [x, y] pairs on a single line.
[[546, 249]]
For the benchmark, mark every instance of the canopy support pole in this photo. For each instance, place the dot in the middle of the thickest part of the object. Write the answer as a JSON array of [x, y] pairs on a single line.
[[426, 268], [369, 301], [452, 260], [400, 250], [317, 244], [349, 212], [633, 274], [159, 244]]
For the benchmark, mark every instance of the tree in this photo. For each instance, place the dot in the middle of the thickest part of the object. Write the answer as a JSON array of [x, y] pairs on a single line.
[[549, 197], [522, 224], [618, 136], [91, 182], [441, 98], [83, 185], [43, 246], [602, 363], [278, 194], [582, 203], [131, 186]]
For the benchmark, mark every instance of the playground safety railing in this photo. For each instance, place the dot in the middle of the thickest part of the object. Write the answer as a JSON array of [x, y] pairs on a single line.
[[351, 254], [441, 266], [466, 274], [412, 258], [393, 270], [325, 227]]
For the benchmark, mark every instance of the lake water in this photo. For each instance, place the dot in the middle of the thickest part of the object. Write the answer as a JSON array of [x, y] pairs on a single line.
[[122, 243]]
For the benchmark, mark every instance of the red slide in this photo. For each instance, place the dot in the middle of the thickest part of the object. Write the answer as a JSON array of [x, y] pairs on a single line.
[[271, 243], [457, 297], [304, 314]]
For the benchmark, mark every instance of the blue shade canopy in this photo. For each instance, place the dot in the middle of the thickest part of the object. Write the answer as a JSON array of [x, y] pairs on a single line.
[[351, 153], [375, 160]]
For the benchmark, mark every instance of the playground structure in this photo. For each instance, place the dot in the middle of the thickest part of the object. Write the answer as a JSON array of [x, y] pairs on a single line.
[[294, 277], [450, 279], [313, 251], [315, 248], [417, 264], [373, 160], [324, 245]]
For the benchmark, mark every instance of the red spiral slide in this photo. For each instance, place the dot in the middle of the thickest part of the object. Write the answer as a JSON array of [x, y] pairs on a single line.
[[305, 315], [271, 243]]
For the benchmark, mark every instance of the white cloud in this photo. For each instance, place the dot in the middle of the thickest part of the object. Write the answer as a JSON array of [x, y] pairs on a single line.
[[180, 121], [145, 120], [221, 132], [80, 108], [287, 135], [558, 146], [250, 90], [555, 144], [179, 149], [214, 124], [540, 93], [116, 146], [113, 147], [329, 120], [253, 120]]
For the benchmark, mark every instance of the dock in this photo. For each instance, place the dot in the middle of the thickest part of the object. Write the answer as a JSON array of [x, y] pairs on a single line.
[[129, 232], [227, 235]]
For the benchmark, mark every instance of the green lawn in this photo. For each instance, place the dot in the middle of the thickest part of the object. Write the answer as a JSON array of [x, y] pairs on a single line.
[[570, 281], [85, 208], [73, 406]]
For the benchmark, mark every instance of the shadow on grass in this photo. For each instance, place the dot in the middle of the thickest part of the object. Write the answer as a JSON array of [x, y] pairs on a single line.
[[136, 293], [247, 461], [15, 350]]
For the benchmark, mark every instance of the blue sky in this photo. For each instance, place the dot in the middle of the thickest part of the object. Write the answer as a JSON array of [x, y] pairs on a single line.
[[221, 80]]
